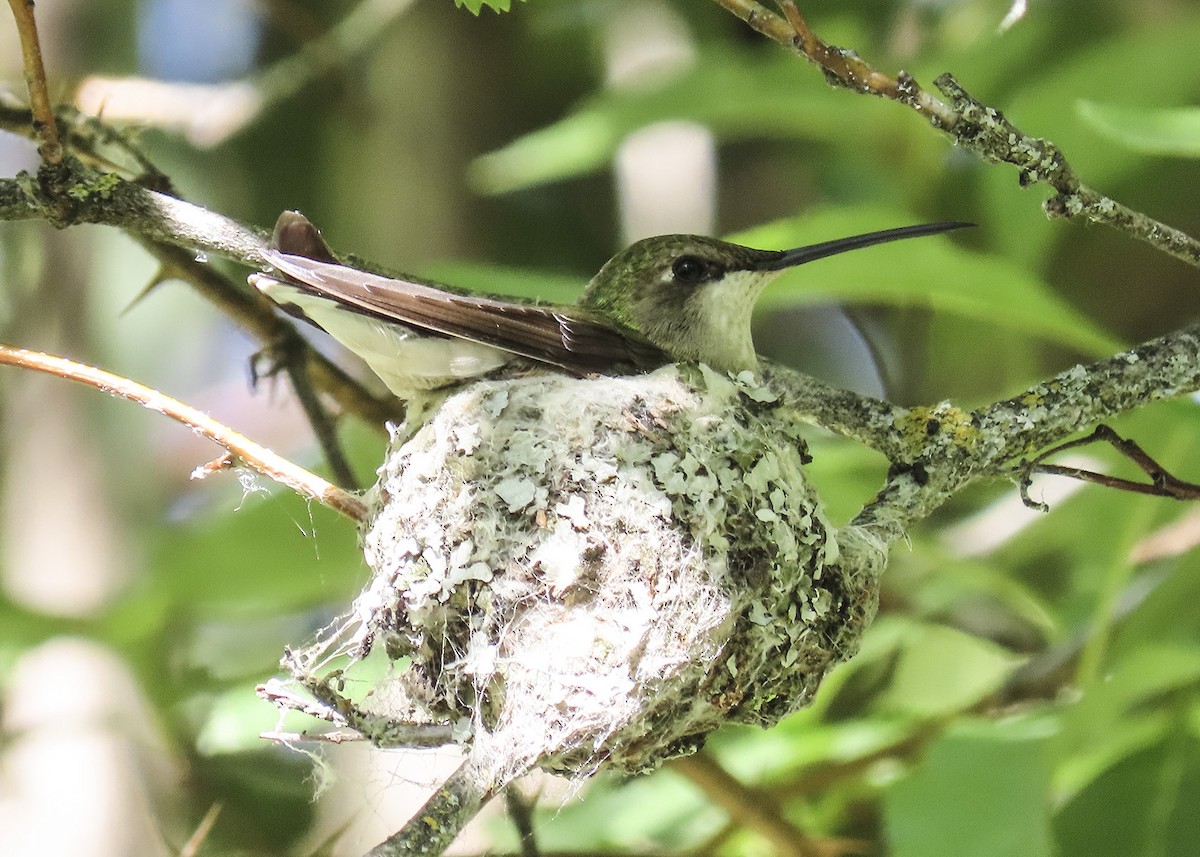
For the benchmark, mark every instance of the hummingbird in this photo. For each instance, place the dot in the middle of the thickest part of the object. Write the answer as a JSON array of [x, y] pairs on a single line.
[[665, 299]]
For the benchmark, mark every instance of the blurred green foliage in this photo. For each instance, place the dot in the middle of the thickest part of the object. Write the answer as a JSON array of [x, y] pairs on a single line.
[[1027, 690], [1156, 132]]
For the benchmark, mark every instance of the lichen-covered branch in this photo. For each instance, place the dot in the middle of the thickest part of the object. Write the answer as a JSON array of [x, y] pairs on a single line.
[[971, 124], [937, 450], [1081, 396], [176, 232], [602, 571], [93, 141], [444, 815], [943, 448], [320, 700], [985, 131], [72, 194], [864, 418]]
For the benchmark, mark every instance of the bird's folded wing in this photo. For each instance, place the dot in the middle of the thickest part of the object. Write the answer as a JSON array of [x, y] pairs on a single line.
[[562, 336]]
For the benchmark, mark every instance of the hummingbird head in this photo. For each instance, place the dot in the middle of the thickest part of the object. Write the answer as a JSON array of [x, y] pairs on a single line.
[[693, 296]]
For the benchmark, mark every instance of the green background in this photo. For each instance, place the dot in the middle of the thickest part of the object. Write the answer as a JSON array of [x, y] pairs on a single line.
[[1028, 689]]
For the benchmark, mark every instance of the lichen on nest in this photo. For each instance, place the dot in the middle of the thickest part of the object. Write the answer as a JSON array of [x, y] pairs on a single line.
[[603, 571]]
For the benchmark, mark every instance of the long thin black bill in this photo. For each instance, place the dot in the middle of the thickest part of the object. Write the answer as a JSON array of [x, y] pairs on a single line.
[[800, 255]]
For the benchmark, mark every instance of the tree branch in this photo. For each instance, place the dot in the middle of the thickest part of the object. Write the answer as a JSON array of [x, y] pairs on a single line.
[[1081, 396], [436, 824], [935, 450], [864, 418], [749, 807], [970, 124], [71, 194], [258, 458], [174, 232], [985, 131], [44, 126], [940, 449]]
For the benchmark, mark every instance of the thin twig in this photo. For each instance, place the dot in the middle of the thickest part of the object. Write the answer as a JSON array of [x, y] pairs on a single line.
[[937, 450], [318, 701], [520, 812], [1163, 368], [761, 19], [254, 456], [1162, 482], [256, 314], [44, 125], [323, 424], [291, 357], [87, 137], [840, 66], [173, 230], [192, 846], [748, 807]]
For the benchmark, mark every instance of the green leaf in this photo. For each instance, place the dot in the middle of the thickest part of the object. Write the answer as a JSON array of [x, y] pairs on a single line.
[[982, 790], [275, 784], [274, 554], [623, 814], [1154, 131], [737, 95], [236, 718], [941, 670], [1165, 615], [939, 580], [1145, 805], [1104, 726], [1077, 772], [476, 6], [930, 271], [805, 741]]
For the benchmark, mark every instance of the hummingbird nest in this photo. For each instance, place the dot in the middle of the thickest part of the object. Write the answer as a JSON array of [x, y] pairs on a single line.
[[583, 572]]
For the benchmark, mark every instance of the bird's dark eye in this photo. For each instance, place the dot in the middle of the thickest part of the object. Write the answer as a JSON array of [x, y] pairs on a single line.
[[689, 270]]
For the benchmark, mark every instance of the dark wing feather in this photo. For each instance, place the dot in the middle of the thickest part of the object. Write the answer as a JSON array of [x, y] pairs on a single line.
[[562, 336]]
